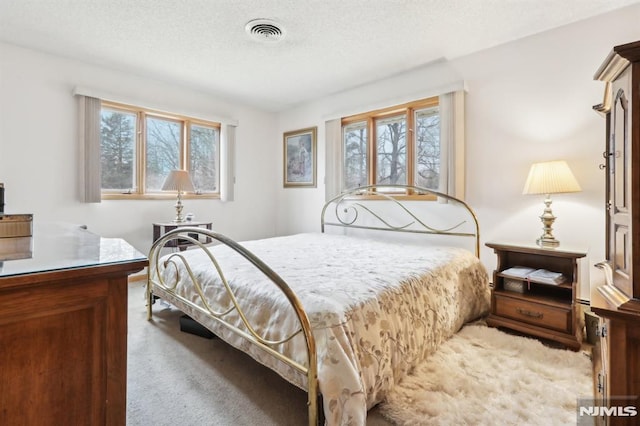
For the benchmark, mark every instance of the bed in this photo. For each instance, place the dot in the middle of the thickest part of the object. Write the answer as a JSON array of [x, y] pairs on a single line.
[[343, 314]]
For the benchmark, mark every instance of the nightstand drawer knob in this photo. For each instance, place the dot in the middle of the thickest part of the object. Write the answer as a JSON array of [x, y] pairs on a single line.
[[529, 313]]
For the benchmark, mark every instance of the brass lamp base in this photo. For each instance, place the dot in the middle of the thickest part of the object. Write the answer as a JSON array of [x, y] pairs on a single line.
[[179, 217], [547, 242], [547, 239]]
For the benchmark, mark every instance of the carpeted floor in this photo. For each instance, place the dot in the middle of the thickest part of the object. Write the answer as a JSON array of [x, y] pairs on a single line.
[[176, 378]]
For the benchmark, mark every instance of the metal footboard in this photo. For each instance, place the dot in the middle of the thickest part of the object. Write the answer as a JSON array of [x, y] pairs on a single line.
[[157, 287]]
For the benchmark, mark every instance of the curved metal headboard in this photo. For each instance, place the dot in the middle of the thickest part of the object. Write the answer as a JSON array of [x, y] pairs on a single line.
[[349, 207]]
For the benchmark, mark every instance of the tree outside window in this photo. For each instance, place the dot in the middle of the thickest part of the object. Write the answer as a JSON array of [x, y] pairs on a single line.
[[391, 144], [118, 149], [356, 166], [396, 145], [428, 148], [167, 142], [204, 155], [162, 150]]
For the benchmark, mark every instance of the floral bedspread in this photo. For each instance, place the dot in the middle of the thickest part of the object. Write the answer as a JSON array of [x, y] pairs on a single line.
[[376, 308]]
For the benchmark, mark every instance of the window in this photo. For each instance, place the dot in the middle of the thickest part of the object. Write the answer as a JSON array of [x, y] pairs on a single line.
[[397, 145], [139, 147]]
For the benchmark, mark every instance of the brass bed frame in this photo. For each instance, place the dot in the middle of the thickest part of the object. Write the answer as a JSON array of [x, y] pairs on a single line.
[[352, 209]]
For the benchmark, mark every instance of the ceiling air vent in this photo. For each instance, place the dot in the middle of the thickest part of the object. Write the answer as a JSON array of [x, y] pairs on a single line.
[[264, 30]]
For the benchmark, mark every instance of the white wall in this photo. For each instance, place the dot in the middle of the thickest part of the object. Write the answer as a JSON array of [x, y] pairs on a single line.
[[527, 101], [38, 150]]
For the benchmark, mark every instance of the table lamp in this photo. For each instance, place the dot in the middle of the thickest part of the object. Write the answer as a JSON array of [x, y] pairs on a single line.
[[178, 180], [551, 177]]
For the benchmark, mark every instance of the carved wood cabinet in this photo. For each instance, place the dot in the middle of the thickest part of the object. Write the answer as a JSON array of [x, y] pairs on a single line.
[[617, 302]]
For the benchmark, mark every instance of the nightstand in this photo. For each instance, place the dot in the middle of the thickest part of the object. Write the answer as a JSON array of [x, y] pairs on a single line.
[[548, 311], [161, 228]]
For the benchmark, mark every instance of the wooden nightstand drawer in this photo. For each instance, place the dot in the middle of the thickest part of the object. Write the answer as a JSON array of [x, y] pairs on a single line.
[[551, 317]]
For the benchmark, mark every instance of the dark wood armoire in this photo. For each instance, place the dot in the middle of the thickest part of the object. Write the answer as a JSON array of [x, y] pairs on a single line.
[[617, 302]]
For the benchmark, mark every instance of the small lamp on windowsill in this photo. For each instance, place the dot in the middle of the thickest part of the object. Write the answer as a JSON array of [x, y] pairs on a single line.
[[178, 180], [551, 177]]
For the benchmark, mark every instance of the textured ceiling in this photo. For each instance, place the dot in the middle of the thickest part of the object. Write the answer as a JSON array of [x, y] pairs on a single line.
[[330, 45]]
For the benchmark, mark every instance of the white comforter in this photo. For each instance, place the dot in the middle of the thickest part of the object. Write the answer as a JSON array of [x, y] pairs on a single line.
[[376, 308]]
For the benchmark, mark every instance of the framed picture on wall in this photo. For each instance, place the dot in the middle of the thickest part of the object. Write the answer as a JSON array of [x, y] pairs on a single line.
[[300, 158]]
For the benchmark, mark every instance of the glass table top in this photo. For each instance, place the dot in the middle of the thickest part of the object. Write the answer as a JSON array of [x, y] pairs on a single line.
[[56, 246]]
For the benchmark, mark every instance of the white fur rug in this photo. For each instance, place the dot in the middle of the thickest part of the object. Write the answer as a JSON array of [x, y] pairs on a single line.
[[483, 376]]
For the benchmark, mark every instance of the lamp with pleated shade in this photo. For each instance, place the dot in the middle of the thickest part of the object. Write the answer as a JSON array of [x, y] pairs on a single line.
[[178, 180], [551, 177]]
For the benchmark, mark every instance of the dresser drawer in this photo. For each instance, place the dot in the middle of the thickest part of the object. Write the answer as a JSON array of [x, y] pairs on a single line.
[[551, 317]]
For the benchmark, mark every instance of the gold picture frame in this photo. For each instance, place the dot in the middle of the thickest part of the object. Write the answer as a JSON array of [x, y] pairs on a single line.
[[300, 159]]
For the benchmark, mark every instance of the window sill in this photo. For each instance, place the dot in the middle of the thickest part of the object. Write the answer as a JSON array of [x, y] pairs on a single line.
[[169, 196], [395, 196]]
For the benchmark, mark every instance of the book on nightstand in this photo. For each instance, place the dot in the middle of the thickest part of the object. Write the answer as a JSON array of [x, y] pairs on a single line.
[[538, 275], [547, 277]]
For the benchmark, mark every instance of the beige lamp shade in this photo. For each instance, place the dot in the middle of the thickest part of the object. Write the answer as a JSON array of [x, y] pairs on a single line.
[[551, 177], [178, 180]]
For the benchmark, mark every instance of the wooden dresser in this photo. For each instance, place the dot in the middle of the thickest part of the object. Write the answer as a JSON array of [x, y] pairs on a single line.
[[63, 329], [617, 302]]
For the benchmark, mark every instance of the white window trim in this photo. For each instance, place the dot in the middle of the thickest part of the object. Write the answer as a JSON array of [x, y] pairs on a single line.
[[399, 100], [110, 97]]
